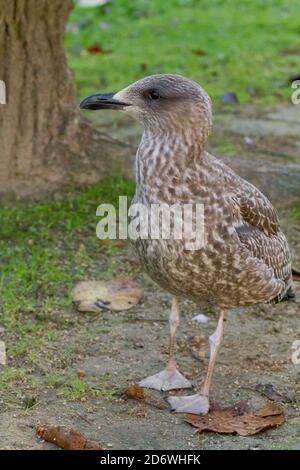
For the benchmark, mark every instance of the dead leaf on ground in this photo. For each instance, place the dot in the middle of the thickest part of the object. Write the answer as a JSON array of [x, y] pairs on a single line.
[[116, 294], [136, 393], [96, 49], [246, 424], [66, 438], [269, 391], [145, 398], [200, 52]]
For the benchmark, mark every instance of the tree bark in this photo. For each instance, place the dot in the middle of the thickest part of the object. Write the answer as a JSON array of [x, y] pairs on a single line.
[[44, 141]]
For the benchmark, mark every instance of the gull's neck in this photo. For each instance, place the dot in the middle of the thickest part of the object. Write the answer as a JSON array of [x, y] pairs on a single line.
[[164, 154]]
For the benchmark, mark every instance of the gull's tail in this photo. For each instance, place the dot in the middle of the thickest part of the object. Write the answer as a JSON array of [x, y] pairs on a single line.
[[289, 295]]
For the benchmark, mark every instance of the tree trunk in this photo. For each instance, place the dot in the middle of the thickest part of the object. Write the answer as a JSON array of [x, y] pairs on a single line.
[[44, 141]]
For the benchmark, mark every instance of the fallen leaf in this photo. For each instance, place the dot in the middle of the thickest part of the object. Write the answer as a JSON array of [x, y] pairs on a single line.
[[96, 49], [240, 409], [116, 294], [66, 438], [199, 52], [136, 393], [144, 67], [270, 392], [270, 409], [245, 424], [199, 340], [81, 373]]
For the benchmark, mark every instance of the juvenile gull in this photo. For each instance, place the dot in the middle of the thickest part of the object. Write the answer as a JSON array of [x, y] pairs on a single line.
[[245, 259]]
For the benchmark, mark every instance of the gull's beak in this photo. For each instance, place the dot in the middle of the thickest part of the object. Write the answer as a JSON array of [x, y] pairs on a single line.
[[102, 101]]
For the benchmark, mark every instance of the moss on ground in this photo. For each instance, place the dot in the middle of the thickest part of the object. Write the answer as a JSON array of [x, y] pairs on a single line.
[[45, 248]]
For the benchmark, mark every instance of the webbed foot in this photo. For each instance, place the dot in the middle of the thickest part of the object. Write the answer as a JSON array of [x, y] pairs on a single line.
[[166, 380], [196, 404]]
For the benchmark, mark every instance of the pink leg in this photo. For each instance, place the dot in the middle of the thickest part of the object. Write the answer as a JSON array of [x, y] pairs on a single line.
[[169, 378], [199, 403]]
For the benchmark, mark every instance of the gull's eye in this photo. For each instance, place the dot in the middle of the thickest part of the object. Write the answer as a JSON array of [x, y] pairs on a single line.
[[154, 95]]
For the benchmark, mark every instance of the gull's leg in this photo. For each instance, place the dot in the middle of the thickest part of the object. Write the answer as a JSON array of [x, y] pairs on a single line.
[[169, 378], [199, 403]]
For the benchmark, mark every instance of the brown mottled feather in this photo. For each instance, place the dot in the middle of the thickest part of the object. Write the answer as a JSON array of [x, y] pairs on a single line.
[[246, 258], [258, 225]]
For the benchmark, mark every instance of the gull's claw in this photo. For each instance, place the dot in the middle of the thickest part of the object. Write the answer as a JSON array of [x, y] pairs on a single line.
[[166, 380], [196, 404]]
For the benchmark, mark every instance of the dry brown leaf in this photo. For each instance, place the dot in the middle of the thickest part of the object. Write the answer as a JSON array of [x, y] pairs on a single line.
[[96, 49], [66, 438], [139, 394], [246, 424], [270, 409], [117, 294], [136, 393], [199, 52]]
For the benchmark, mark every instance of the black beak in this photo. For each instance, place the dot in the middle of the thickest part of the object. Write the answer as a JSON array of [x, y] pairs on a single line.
[[102, 101]]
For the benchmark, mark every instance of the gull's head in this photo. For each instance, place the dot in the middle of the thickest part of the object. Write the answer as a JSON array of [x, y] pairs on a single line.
[[164, 102]]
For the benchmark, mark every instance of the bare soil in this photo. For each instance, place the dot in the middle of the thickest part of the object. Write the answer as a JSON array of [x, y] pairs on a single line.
[[257, 348]]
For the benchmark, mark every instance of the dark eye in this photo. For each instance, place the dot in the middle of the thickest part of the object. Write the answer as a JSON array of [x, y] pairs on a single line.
[[154, 95]]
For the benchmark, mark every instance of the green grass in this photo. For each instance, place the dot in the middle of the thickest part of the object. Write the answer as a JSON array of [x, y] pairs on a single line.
[[247, 46], [45, 248], [295, 210]]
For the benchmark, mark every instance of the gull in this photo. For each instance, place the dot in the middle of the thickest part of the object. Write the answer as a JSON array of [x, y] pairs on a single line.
[[245, 258]]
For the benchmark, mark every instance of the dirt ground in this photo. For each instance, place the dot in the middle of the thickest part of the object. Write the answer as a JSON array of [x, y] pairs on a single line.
[[257, 348]]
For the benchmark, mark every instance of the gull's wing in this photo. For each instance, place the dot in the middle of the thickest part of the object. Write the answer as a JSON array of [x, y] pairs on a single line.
[[251, 206], [255, 221], [259, 231], [255, 208]]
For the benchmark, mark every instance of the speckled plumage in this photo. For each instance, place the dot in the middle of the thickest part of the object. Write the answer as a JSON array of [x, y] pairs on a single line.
[[246, 258]]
